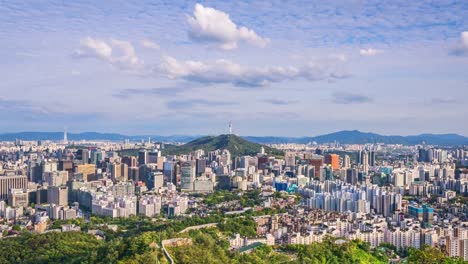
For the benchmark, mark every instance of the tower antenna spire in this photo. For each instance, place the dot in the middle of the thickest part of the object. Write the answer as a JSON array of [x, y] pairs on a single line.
[[230, 127]]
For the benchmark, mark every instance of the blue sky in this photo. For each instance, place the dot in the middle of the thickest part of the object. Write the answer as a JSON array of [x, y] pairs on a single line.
[[286, 68]]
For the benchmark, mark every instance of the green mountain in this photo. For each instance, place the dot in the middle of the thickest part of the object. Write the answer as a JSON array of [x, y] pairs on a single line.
[[235, 144]]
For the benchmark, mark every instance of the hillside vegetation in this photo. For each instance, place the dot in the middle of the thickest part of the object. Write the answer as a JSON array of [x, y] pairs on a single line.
[[235, 144], [139, 244]]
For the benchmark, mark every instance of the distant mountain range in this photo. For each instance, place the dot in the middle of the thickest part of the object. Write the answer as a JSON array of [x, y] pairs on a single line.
[[358, 137], [344, 137], [90, 136]]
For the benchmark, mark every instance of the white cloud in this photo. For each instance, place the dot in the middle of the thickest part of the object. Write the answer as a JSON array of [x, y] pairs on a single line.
[[462, 48], [225, 71], [150, 44], [118, 53], [211, 25], [95, 47], [464, 37], [122, 55], [370, 52]]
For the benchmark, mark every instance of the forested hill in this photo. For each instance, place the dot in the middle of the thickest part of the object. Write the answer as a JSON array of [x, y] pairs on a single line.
[[235, 144]]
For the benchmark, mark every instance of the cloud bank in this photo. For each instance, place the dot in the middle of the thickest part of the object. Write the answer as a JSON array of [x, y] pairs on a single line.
[[214, 26], [118, 53], [226, 71]]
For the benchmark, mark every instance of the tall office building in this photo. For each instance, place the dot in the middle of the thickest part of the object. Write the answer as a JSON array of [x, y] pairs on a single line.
[[428, 215], [346, 161], [290, 159], [85, 156], [352, 176], [123, 172], [119, 172], [317, 162], [57, 195], [365, 162], [422, 174], [116, 172], [188, 172], [35, 171], [18, 198], [66, 165], [333, 160], [169, 171], [142, 157], [158, 179], [372, 158], [130, 161], [11, 182], [134, 174], [201, 165], [153, 157]]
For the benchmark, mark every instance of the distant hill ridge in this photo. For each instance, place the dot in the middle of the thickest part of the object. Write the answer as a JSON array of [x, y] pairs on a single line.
[[344, 137]]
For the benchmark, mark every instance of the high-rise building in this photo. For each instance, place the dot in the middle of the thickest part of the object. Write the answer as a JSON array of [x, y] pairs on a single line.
[[188, 172], [352, 176], [116, 171], [398, 178], [372, 158], [428, 215], [422, 155], [142, 157], [66, 165], [169, 171], [130, 161], [153, 156], [35, 171], [317, 162], [346, 161], [365, 162], [119, 172], [133, 174], [85, 156], [57, 195], [201, 165], [11, 182], [333, 160], [290, 159], [123, 172], [158, 179], [18, 198]]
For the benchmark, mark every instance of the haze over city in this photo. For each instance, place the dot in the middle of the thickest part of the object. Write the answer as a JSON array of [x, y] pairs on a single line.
[[272, 67]]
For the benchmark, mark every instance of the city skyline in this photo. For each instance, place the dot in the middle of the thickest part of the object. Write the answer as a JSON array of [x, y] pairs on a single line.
[[93, 135], [294, 69]]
